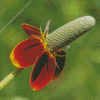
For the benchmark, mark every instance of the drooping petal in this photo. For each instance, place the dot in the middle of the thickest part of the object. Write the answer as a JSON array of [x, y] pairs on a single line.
[[43, 71], [25, 53], [31, 30], [60, 62]]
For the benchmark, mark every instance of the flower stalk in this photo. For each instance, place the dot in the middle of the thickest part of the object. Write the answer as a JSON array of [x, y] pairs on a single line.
[[58, 39], [10, 77]]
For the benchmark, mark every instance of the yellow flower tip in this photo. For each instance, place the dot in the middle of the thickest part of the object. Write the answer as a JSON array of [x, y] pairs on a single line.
[[34, 89], [24, 24], [45, 45], [14, 61]]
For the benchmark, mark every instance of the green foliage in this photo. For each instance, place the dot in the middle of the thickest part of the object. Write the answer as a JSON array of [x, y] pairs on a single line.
[[80, 79]]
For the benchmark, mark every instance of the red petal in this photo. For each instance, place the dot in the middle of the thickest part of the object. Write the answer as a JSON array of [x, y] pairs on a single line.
[[25, 53], [61, 62], [31, 30], [43, 71]]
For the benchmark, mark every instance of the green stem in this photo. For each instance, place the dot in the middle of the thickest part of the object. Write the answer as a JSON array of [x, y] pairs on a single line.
[[10, 77]]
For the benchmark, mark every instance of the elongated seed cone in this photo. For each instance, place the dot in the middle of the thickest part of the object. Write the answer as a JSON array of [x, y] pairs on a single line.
[[69, 32]]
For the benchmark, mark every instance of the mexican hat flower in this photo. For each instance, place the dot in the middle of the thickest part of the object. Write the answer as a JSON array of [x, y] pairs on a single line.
[[35, 51], [43, 50]]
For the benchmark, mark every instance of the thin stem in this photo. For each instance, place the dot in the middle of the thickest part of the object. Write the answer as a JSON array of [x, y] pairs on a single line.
[[10, 77]]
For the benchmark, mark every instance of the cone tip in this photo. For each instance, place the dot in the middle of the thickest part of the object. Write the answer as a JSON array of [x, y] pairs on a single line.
[[91, 20]]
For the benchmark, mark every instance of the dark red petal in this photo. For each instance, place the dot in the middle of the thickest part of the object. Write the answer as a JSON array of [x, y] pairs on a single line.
[[25, 53], [31, 30], [43, 71], [60, 61]]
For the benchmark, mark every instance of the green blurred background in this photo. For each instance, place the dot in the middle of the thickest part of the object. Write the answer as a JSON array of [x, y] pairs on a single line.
[[80, 79]]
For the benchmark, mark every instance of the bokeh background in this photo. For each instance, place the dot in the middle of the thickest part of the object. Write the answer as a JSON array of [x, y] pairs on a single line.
[[80, 78]]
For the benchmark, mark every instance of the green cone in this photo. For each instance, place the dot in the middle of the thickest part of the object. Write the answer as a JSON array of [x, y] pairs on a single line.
[[69, 32]]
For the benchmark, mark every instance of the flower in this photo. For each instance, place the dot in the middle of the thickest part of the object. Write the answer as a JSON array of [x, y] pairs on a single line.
[[42, 49], [48, 64]]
